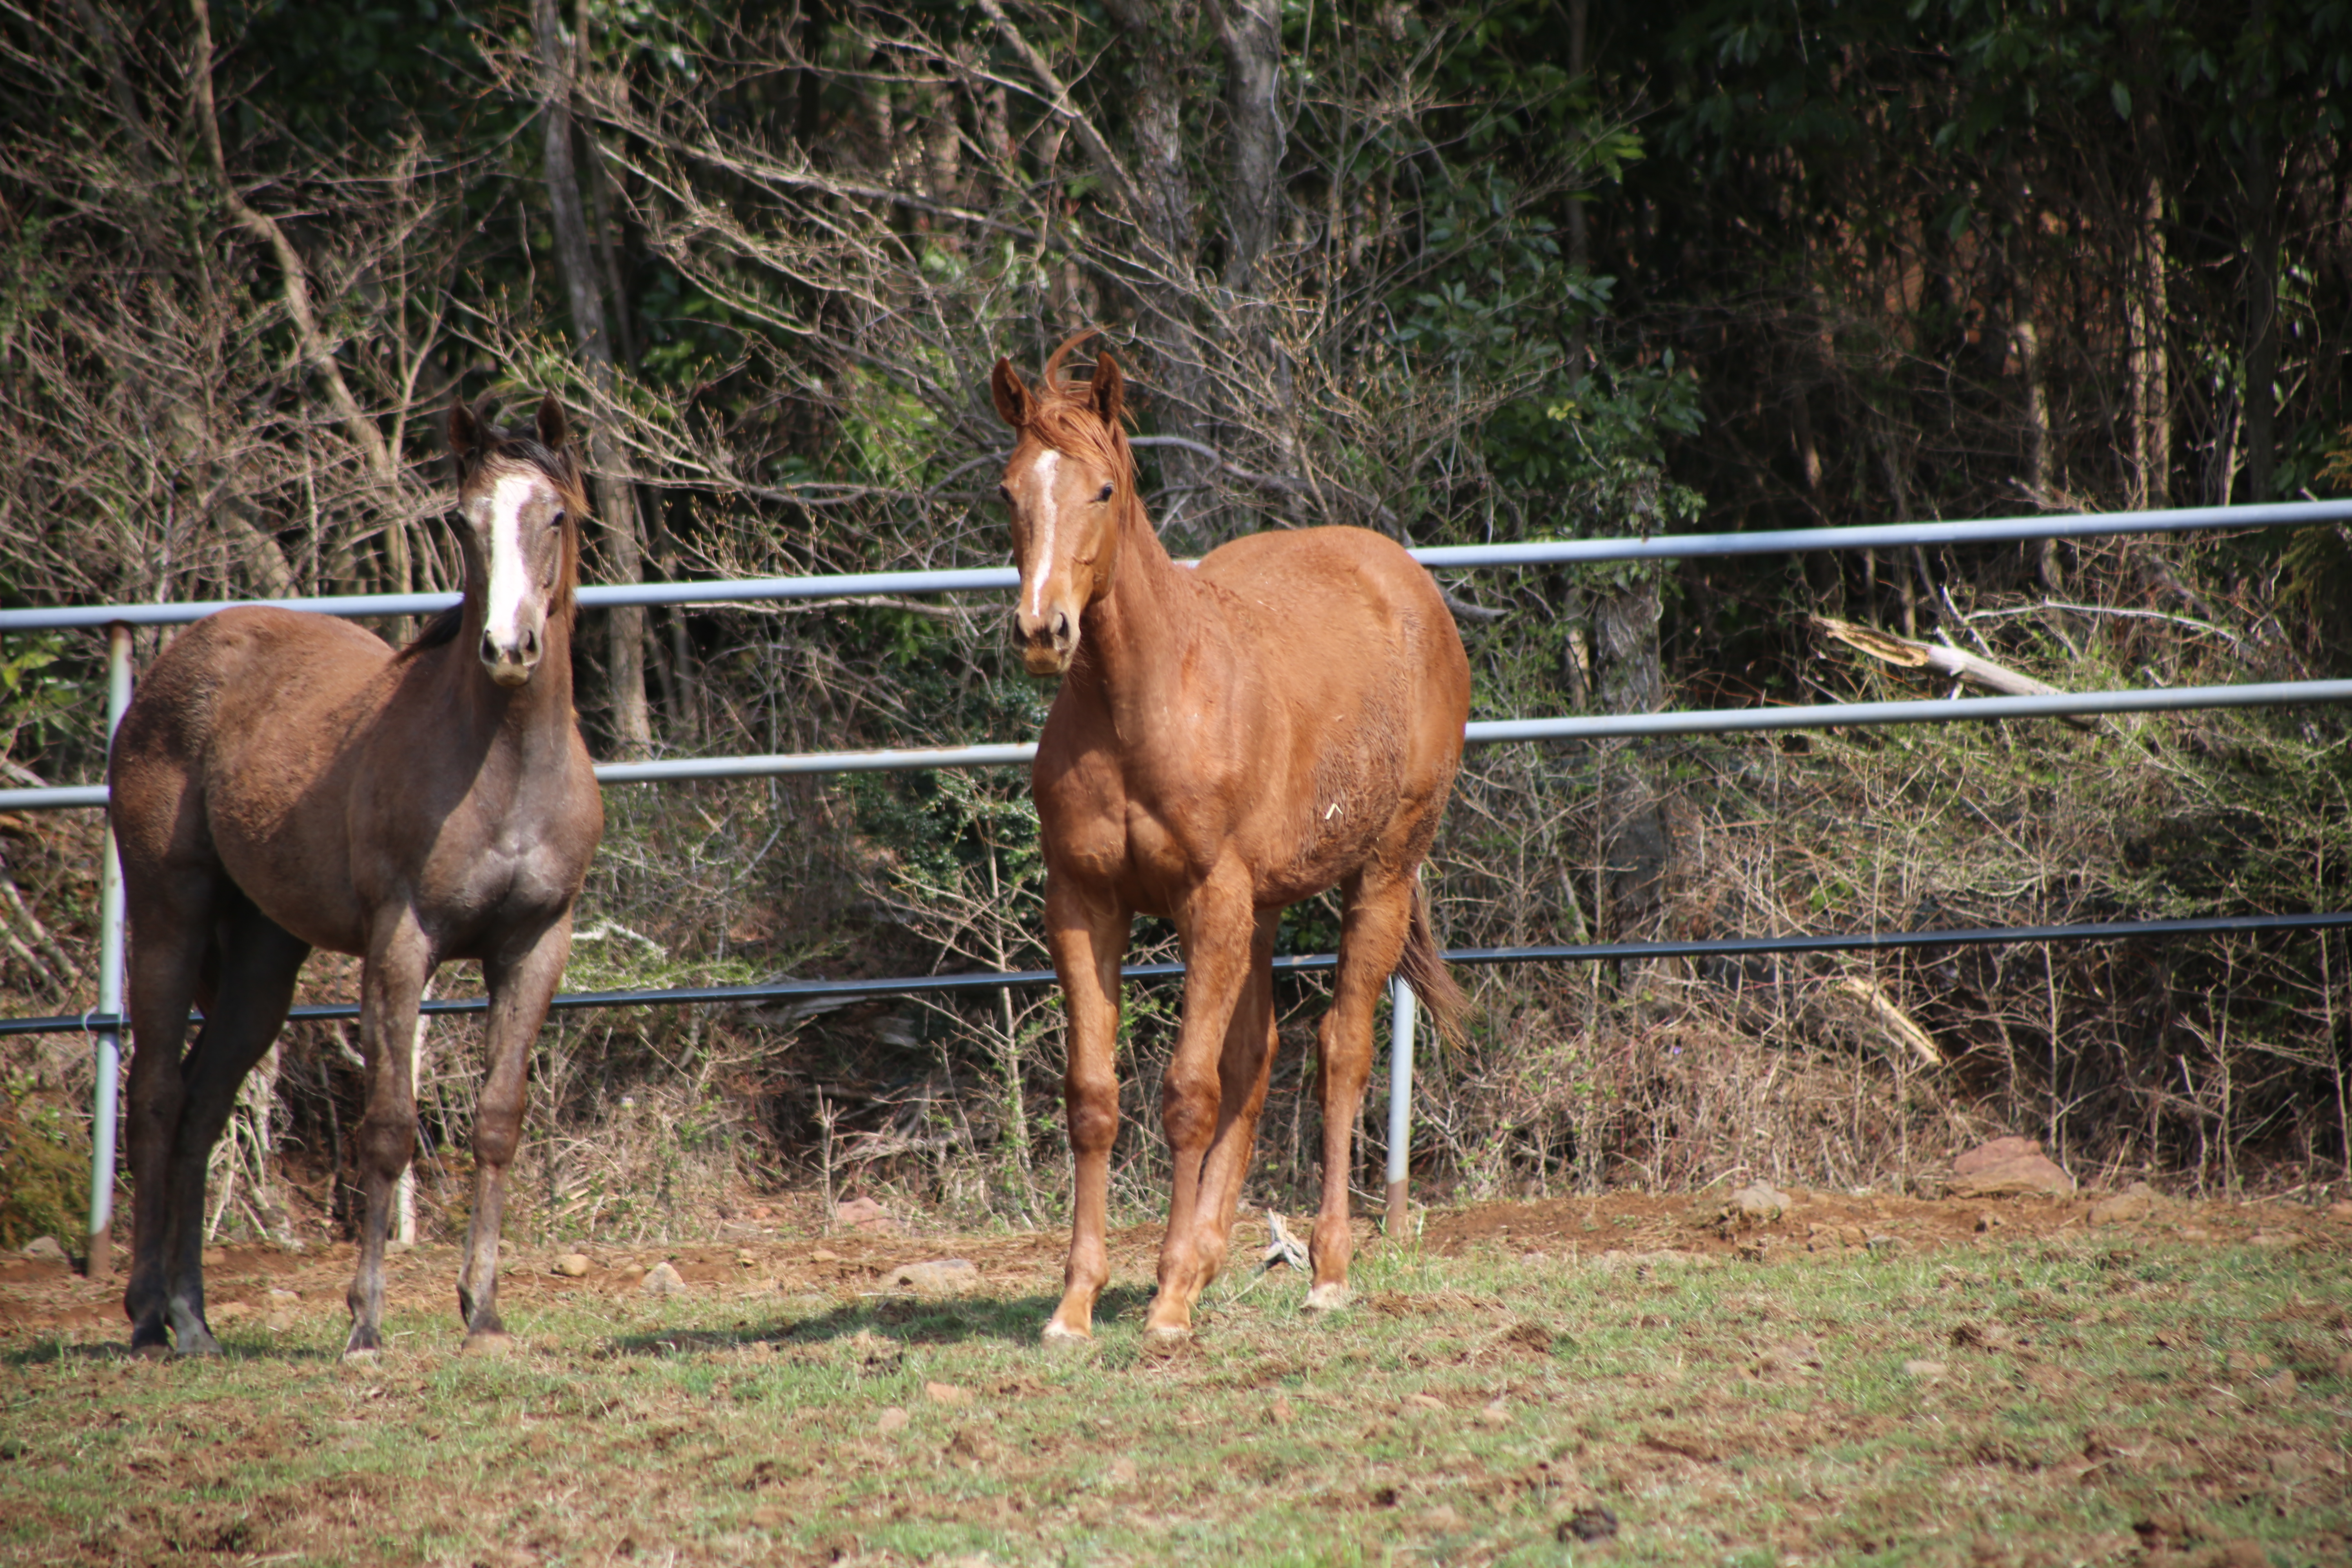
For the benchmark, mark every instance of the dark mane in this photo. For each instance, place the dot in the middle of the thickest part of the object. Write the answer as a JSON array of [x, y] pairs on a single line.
[[502, 450], [443, 627]]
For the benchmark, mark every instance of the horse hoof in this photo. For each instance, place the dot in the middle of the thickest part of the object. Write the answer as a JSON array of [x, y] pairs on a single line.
[[1060, 1336], [361, 1355], [1328, 1298], [154, 1350], [493, 1343], [199, 1343], [1166, 1337]]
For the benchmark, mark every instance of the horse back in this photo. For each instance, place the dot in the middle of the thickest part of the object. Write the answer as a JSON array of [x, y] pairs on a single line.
[[1349, 640]]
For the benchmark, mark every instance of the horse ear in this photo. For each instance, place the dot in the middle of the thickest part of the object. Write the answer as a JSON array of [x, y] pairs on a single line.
[[553, 433], [1013, 403], [1109, 389], [465, 434]]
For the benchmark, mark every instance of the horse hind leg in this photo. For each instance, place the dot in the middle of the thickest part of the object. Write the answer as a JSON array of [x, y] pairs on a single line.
[[1219, 928], [1371, 939], [260, 961], [175, 945], [1242, 1075]]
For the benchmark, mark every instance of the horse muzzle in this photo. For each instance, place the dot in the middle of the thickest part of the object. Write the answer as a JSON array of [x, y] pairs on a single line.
[[511, 663], [1049, 641]]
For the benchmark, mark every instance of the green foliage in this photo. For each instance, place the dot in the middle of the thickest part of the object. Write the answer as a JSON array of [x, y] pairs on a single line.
[[42, 698], [43, 1166]]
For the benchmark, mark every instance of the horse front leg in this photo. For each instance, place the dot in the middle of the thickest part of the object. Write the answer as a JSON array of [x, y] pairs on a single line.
[[521, 981], [1217, 925], [399, 962], [1088, 936]]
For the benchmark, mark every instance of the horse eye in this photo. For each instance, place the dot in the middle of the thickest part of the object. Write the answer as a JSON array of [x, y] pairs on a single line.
[[557, 520], [1106, 493], [1006, 491]]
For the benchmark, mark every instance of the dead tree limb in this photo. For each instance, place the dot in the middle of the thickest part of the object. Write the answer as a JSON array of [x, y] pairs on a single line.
[[295, 288]]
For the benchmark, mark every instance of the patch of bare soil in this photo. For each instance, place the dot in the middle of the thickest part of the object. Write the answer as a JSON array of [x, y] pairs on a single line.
[[266, 1285]]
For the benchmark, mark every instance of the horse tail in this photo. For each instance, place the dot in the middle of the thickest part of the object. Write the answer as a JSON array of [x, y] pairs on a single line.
[[1422, 966]]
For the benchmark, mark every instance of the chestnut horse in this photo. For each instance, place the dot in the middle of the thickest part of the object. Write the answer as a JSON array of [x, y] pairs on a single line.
[[286, 782], [1283, 720]]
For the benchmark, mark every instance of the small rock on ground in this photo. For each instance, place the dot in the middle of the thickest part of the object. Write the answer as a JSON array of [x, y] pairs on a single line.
[[662, 1279], [1759, 1204], [44, 1249], [2135, 1202], [947, 1394], [942, 1274], [2008, 1167], [571, 1264], [866, 1215]]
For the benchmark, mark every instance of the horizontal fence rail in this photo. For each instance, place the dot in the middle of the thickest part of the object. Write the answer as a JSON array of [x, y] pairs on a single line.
[[1657, 547], [785, 991], [1484, 732]]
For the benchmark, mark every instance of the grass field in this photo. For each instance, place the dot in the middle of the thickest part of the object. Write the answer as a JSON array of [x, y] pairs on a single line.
[[2177, 1392]]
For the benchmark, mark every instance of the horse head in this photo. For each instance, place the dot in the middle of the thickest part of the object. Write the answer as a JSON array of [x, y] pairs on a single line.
[[1069, 482], [522, 499]]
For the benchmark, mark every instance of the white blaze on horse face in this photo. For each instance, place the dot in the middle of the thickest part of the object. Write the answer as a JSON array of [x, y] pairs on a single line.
[[1041, 553], [510, 621]]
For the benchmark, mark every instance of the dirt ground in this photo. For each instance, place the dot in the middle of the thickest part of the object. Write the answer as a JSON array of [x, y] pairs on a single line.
[[277, 1287]]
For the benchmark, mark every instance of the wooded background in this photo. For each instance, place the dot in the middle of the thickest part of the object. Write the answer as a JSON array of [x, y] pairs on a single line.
[[1457, 273]]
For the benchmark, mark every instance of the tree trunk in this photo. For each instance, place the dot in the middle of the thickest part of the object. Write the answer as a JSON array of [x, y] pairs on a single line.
[[1158, 44], [2146, 308], [2262, 321], [808, 89], [1635, 846], [625, 660], [1251, 31], [1579, 235]]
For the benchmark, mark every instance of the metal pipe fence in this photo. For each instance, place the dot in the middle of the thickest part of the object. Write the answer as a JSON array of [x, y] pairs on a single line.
[[106, 1022], [988, 579], [1480, 732], [976, 982]]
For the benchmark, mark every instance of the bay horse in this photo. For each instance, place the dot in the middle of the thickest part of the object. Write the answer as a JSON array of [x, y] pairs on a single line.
[[1285, 719], [287, 781]]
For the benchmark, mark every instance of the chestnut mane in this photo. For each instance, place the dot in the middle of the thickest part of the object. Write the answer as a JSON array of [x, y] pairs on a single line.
[[1064, 417]]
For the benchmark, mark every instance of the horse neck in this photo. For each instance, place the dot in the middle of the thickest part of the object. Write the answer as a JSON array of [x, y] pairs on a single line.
[[1138, 631]]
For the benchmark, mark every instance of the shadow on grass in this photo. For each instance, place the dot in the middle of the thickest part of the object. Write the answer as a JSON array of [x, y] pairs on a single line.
[[910, 1320], [53, 1350]]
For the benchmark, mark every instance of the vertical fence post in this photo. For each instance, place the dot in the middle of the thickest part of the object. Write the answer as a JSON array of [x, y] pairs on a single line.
[[109, 1033], [1401, 1001]]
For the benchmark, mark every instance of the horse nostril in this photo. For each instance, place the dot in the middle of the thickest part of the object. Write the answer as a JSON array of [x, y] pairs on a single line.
[[1061, 627], [530, 643], [489, 649]]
